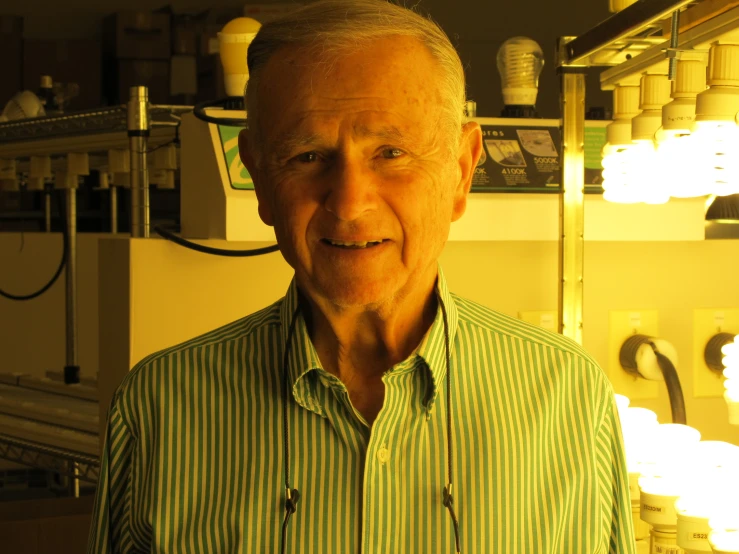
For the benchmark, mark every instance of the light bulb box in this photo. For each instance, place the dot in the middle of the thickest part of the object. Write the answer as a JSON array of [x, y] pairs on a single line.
[[137, 35]]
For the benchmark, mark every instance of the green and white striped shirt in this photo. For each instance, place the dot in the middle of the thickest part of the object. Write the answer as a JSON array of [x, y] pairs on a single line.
[[194, 457]]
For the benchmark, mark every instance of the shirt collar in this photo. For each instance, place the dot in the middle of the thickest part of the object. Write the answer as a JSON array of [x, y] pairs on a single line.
[[433, 345], [303, 358]]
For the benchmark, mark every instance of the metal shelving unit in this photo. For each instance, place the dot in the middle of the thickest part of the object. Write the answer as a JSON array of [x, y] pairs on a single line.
[[625, 45], [138, 127]]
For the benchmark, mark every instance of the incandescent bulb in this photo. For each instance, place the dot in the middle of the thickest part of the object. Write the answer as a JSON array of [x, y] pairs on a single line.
[[234, 40], [520, 61]]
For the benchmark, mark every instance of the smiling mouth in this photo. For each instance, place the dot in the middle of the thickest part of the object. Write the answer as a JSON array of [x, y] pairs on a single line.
[[356, 245]]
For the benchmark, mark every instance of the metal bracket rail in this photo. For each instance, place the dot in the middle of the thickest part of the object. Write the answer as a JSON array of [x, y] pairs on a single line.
[[75, 465], [633, 26]]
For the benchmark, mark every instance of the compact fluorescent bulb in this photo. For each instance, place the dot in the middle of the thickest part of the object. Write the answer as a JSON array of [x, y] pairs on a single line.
[[675, 148], [618, 141], [520, 61], [649, 185], [715, 130]]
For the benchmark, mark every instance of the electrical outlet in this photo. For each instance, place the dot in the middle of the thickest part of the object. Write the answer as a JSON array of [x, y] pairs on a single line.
[[707, 323], [624, 324], [547, 320]]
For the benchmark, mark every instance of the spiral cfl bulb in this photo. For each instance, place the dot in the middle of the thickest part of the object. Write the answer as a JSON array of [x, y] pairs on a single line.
[[520, 61]]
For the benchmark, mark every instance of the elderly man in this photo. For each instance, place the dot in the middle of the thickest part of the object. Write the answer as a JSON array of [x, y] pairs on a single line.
[[369, 410]]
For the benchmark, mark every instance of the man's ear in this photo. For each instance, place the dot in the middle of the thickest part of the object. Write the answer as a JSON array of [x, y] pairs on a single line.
[[247, 157], [470, 150]]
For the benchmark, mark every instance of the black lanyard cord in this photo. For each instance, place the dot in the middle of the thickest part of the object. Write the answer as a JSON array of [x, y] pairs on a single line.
[[448, 499], [292, 495]]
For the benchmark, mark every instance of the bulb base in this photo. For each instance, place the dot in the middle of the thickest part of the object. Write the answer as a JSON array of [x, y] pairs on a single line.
[[517, 111], [520, 96], [692, 533], [679, 115], [236, 83], [718, 103], [645, 125]]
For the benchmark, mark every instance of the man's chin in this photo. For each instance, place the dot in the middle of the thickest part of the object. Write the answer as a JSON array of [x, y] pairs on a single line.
[[357, 294]]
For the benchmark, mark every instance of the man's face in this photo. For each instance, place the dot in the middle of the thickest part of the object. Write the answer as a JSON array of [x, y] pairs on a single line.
[[356, 172]]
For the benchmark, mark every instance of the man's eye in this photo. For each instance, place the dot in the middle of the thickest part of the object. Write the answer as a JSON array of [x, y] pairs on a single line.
[[391, 153], [306, 157]]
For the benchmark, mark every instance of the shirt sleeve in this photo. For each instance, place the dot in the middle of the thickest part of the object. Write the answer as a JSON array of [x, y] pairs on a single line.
[[110, 531], [613, 480]]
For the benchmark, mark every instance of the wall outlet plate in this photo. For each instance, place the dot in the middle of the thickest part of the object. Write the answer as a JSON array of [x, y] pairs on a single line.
[[623, 324], [707, 323], [547, 320]]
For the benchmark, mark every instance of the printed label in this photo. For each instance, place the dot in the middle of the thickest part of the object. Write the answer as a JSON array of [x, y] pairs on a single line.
[[635, 319], [667, 549], [657, 509], [718, 319]]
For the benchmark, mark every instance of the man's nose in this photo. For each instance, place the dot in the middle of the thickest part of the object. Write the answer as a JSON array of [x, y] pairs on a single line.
[[352, 189]]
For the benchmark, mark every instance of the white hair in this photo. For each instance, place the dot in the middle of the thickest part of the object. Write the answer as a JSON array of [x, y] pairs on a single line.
[[334, 27]]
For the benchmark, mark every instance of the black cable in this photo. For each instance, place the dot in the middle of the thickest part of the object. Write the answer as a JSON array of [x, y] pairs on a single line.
[[674, 389], [291, 495], [448, 499], [62, 263], [235, 101], [169, 235]]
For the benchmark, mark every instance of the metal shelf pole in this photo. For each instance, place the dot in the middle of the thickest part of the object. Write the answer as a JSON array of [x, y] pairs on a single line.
[[571, 205], [138, 135]]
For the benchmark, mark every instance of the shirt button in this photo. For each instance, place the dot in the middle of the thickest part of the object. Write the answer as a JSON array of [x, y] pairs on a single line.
[[383, 455]]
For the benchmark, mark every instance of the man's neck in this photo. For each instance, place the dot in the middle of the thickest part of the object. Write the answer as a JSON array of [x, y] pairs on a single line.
[[359, 344]]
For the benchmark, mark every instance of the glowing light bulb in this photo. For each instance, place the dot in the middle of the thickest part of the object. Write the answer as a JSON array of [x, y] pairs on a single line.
[[676, 162], [724, 537], [646, 183], [638, 426], [715, 129], [622, 402], [715, 145], [520, 61], [617, 186], [711, 484]]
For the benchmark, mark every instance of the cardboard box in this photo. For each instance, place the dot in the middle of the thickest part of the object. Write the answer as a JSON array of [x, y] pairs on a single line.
[[66, 61], [59, 525], [137, 35], [11, 46], [121, 75]]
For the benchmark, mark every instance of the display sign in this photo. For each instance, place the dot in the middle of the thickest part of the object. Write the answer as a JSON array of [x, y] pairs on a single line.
[[518, 158], [515, 158], [237, 173], [521, 156]]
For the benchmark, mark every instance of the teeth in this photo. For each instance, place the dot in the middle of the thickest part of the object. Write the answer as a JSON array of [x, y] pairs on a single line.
[[359, 244]]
